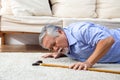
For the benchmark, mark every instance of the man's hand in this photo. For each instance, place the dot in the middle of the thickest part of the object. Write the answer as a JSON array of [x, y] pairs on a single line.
[[51, 55], [81, 66]]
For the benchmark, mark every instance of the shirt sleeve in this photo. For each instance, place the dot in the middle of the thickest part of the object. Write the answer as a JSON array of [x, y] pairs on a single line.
[[93, 33]]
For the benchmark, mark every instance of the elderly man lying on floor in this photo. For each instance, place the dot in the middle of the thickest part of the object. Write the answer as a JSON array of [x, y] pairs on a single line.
[[86, 42]]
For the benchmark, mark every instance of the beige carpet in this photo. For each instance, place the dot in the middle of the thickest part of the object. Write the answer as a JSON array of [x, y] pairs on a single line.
[[18, 66]]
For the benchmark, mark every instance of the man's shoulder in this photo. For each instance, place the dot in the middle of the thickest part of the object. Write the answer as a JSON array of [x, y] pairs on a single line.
[[78, 24]]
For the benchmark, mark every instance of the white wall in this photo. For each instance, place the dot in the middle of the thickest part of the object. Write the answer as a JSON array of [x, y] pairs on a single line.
[[22, 39]]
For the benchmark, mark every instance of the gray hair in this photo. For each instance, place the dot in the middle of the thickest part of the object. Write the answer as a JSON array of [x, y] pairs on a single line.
[[49, 30]]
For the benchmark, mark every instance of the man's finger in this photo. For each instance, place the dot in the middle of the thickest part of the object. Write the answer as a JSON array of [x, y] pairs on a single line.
[[47, 56], [76, 67], [71, 67], [80, 67], [57, 56], [85, 67]]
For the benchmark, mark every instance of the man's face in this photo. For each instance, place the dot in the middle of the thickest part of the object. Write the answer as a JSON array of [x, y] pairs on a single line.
[[55, 43]]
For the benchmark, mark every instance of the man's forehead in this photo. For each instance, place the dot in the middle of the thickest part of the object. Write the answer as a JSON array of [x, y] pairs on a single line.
[[47, 41]]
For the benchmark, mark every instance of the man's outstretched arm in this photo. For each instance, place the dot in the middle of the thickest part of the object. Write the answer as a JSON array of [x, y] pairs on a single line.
[[102, 48]]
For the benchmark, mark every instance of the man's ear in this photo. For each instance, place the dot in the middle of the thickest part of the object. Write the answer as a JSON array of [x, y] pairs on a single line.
[[60, 31]]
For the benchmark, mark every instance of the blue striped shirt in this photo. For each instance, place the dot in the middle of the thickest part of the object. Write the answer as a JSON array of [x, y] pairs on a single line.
[[83, 38]]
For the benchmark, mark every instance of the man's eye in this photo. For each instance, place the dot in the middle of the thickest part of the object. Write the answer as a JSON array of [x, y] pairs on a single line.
[[51, 49], [53, 44]]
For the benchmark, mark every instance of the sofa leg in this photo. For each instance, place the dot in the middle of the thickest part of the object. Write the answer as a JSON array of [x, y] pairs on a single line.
[[2, 38]]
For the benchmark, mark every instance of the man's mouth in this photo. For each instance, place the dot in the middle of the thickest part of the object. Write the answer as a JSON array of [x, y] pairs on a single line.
[[63, 51]]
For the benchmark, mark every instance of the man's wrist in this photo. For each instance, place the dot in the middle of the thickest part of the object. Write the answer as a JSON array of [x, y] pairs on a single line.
[[88, 63]]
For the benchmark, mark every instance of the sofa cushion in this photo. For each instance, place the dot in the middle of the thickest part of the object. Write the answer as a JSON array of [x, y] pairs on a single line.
[[110, 23], [74, 8], [30, 7], [0, 7], [6, 7], [108, 8], [0, 4], [27, 23]]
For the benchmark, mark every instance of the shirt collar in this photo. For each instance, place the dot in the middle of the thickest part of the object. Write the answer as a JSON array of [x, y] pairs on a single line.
[[71, 39]]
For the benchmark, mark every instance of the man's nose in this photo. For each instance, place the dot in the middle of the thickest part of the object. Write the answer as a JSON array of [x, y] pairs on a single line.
[[55, 49]]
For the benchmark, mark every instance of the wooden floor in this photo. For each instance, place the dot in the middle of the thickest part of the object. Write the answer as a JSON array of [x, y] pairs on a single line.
[[21, 48]]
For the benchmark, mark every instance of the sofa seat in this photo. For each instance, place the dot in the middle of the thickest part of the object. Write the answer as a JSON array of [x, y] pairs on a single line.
[[33, 24], [110, 23]]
